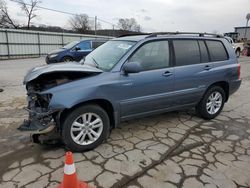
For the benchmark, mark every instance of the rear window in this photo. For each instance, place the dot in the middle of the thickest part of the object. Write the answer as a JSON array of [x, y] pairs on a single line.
[[186, 52], [216, 50]]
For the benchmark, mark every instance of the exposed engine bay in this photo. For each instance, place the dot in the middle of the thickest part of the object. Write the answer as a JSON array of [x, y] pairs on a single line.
[[42, 119], [49, 80]]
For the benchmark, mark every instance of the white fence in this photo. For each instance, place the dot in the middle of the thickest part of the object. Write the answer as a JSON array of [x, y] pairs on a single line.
[[23, 43]]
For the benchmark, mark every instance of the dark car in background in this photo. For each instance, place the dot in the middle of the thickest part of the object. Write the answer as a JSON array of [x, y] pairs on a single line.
[[74, 51]]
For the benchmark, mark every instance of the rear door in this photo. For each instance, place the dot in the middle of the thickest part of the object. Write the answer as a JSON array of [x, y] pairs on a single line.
[[151, 89], [220, 58], [193, 70]]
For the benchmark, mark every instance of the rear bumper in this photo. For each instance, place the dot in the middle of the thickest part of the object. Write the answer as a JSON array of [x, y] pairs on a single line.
[[234, 86]]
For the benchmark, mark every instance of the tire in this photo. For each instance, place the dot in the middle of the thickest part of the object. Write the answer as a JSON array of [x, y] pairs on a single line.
[[237, 52], [203, 109], [67, 59], [76, 117]]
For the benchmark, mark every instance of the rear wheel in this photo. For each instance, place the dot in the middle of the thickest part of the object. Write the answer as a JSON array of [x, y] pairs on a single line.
[[212, 103], [85, 128]]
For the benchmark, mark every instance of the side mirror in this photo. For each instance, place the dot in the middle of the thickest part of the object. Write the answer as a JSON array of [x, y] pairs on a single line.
[[77, 48], [132, 67]]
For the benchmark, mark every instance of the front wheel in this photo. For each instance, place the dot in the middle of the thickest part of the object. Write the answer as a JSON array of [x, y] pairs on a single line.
[[212, 103], [85, 128], [67, 59]]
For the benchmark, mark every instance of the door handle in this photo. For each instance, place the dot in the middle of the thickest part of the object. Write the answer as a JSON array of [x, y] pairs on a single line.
[[207, 67], [167, 73]]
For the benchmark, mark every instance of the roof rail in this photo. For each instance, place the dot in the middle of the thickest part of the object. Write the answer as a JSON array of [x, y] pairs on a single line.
[[185, 33], [131, 34]]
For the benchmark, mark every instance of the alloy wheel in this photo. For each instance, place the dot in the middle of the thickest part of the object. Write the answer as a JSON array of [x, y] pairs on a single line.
[[86, 129], [214, 102]]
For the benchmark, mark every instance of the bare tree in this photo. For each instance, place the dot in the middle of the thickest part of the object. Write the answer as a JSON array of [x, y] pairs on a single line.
[[80, 23], [5, 19], [129, 24], [29, 9]]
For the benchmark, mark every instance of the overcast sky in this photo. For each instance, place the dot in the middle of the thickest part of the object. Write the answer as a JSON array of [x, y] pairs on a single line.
[[152, 15]]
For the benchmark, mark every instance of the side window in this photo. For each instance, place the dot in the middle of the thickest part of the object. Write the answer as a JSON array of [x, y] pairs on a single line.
[[153, 55], [85, 45], [96, 44], [186, 52], [203, 51], [217, 50]]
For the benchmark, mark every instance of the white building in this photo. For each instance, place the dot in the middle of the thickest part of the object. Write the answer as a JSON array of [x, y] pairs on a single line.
[[241, 32]]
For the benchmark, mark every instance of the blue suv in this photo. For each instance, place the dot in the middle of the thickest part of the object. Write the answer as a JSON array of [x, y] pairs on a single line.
[[126, 78], [74, 51]]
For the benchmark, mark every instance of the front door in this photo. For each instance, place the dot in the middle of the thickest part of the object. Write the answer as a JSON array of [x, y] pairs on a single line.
[[151, 89]]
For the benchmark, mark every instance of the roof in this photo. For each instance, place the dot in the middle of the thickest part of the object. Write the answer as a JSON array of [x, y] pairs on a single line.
[[242, 27], [132, 38], [137, 38], [92, 39]]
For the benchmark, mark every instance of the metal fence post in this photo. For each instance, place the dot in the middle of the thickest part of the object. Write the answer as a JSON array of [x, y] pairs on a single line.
[[7, 42], [39, 44], [62, 40]]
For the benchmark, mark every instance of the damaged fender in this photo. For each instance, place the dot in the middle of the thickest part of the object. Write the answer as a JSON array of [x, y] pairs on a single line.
[[45, 103]]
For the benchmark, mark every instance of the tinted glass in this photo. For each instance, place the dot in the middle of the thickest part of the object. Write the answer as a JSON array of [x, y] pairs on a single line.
[[84, 45], [153, 55], [186, 52], [96, 44], [217, 51], [203, 51]]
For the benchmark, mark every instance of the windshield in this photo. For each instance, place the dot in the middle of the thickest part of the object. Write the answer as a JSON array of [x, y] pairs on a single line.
[[107, 55], [70, 45]]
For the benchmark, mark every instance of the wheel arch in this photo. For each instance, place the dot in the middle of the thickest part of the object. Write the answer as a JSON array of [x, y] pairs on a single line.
[[103, 103], [224, 85], [238, 48], [66, 56]]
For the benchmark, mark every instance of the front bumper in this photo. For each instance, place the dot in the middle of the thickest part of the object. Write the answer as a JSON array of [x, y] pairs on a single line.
[[38, 121], [50, 60]]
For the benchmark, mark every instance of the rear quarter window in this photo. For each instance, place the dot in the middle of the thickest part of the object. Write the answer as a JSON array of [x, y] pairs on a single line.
[[217, 50]]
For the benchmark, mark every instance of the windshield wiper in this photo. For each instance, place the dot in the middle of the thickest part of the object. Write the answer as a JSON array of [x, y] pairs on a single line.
[[96, 64], [82, 61]]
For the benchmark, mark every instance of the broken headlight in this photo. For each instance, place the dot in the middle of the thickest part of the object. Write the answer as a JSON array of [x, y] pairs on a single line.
[[39, 100], [43, 100]]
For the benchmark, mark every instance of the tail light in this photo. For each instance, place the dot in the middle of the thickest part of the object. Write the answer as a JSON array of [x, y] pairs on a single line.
[[239, 71]]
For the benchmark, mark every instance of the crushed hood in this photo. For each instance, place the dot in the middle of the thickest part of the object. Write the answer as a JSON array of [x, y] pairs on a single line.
[[59, 67]]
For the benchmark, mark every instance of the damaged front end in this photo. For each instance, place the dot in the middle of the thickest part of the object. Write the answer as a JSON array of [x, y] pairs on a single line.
[[44, 118], [40, 117]]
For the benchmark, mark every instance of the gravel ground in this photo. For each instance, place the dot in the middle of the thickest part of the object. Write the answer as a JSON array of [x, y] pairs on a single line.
[[175, 149]]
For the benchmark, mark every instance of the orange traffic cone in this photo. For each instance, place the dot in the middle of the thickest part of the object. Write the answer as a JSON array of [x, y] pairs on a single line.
[[70, 178]]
